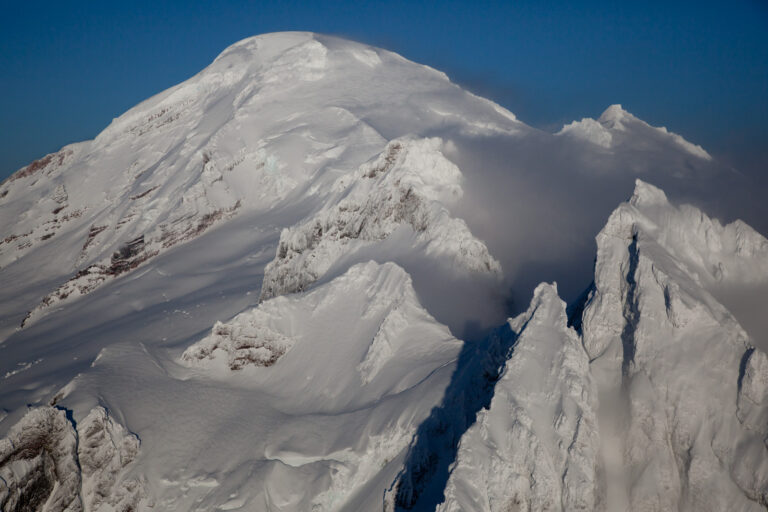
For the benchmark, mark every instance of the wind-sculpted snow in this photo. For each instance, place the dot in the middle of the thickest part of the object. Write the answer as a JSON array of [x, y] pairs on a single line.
[[376, 353], [590, 130], [753, 391], [536, 447], [704, 254], [273, 118], [246, 340], [406, 186], [658, 405], [105, 449], [357, 349], [47, 464], [38, 464]]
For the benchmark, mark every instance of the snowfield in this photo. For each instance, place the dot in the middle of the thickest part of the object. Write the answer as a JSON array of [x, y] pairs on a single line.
[[310, 278]]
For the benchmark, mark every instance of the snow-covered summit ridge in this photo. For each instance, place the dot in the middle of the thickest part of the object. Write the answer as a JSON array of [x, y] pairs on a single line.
[[616, 127], [167, 223], [270, 65], [613, 117], [660, 340], [275, 120], [697, 255]]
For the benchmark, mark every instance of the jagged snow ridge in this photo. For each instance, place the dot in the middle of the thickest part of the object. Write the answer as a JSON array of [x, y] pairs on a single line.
[[614, 124], [105, 449], [536, 446], [47, 464], [39, 463], [663, 407], [671, 357], [753, 391], [712, 252], [406, 186], [246, 340]]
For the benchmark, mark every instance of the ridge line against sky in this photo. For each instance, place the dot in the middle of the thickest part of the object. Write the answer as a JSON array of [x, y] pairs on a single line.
[[700, 69]]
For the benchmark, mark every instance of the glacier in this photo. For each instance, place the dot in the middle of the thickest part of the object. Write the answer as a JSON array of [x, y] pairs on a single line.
[[318, 276]]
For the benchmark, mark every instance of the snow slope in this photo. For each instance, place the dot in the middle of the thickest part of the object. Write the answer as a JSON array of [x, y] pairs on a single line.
[[325, 425], [246, 133], [653, 330], [263, 274]]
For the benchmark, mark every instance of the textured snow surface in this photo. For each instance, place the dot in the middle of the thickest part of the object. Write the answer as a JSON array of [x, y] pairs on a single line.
[[263, 273], [653, 331], [405, 187], [244, 134], [589, 130], [389, 342]]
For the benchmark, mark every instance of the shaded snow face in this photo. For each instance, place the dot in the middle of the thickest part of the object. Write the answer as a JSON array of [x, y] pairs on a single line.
[[355, 361], [375, 354], [536, 446]]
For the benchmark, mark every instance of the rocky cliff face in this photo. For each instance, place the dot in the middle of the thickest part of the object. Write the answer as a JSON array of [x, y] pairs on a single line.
[[49, 464]]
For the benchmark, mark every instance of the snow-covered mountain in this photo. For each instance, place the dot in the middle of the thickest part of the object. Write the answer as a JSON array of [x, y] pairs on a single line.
[[642, 405], [250, 292]]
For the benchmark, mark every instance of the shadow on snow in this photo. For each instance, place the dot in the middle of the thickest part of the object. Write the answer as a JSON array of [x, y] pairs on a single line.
[[420, 485]]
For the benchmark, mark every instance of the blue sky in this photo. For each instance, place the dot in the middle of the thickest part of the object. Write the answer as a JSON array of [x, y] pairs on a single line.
[[699, 68]]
